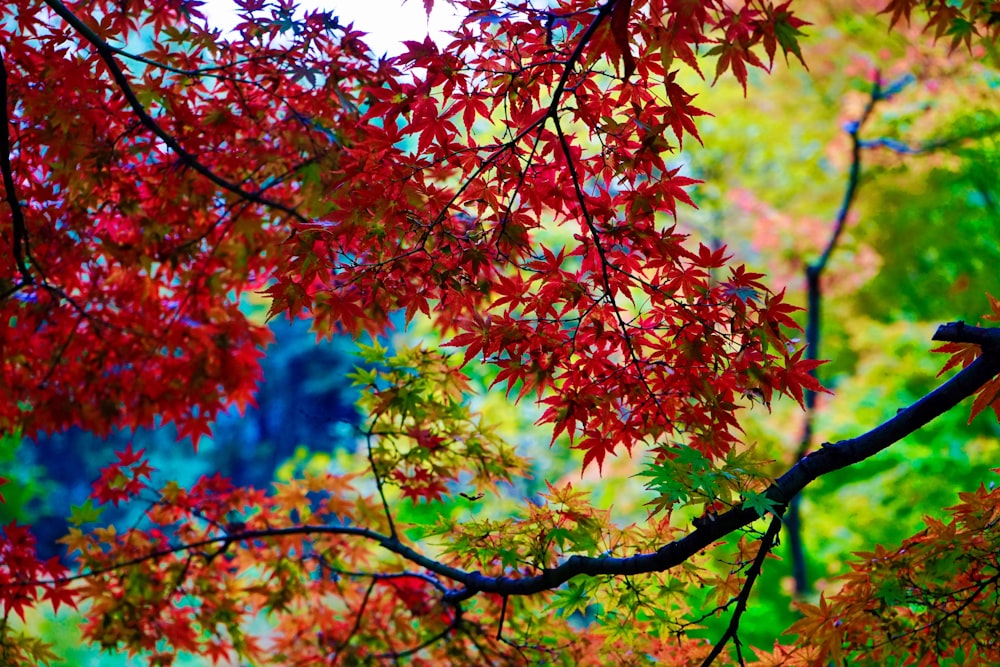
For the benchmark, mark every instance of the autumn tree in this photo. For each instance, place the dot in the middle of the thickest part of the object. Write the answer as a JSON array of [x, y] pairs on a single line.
[[513, 192]]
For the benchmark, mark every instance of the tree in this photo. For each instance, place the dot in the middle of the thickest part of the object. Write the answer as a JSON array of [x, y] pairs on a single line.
[[514, 192]]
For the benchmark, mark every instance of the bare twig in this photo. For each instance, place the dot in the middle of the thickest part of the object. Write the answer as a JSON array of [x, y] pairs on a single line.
[[379, 486]]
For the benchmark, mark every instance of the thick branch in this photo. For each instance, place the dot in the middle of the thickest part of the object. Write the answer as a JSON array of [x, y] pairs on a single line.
[[833, 456]]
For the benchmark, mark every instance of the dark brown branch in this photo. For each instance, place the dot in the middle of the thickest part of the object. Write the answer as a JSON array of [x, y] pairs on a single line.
[[832, 456], [20, 240], [741, 601]]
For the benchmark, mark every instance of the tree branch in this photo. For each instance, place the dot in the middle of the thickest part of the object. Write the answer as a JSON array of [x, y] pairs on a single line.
[[20, 240], [107, 54], [741, 601], [833, 456]]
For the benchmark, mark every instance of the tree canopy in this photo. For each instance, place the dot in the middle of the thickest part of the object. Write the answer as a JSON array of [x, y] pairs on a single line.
[[522, 200]]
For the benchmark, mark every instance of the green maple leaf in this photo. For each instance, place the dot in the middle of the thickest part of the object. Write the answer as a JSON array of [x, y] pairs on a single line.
[[787, 35], [85, 513], [760, 503]]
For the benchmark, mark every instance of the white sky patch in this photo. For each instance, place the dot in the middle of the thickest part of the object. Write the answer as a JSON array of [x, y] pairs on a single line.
[[388, 22]]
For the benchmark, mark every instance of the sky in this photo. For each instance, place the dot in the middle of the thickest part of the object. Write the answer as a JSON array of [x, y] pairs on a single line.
[[388, 22]]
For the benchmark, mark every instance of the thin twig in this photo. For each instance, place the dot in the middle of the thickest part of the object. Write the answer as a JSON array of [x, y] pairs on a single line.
[[503, 614], [357, 617], [766, 543], [378, 485]]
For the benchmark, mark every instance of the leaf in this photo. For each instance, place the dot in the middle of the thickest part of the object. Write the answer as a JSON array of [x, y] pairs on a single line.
[[786, 29], [59, 594], [994, 315], [619, 31], [961, 353], [760, 503], [986, 397], [86, 512]]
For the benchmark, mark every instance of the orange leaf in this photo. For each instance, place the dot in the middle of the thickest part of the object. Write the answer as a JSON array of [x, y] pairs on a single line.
[[986, 396]]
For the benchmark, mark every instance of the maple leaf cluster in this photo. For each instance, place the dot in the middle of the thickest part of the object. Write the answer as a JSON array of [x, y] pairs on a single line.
[[932, 598]]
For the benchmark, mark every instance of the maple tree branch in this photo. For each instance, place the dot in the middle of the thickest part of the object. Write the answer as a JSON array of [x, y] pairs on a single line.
[[107, 54], [20, 240], [831, 457], [766, 543], [378, 484]]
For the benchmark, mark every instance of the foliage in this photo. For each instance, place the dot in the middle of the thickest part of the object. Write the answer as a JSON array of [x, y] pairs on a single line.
[[933, 596], [514, 192], [302, 399]]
